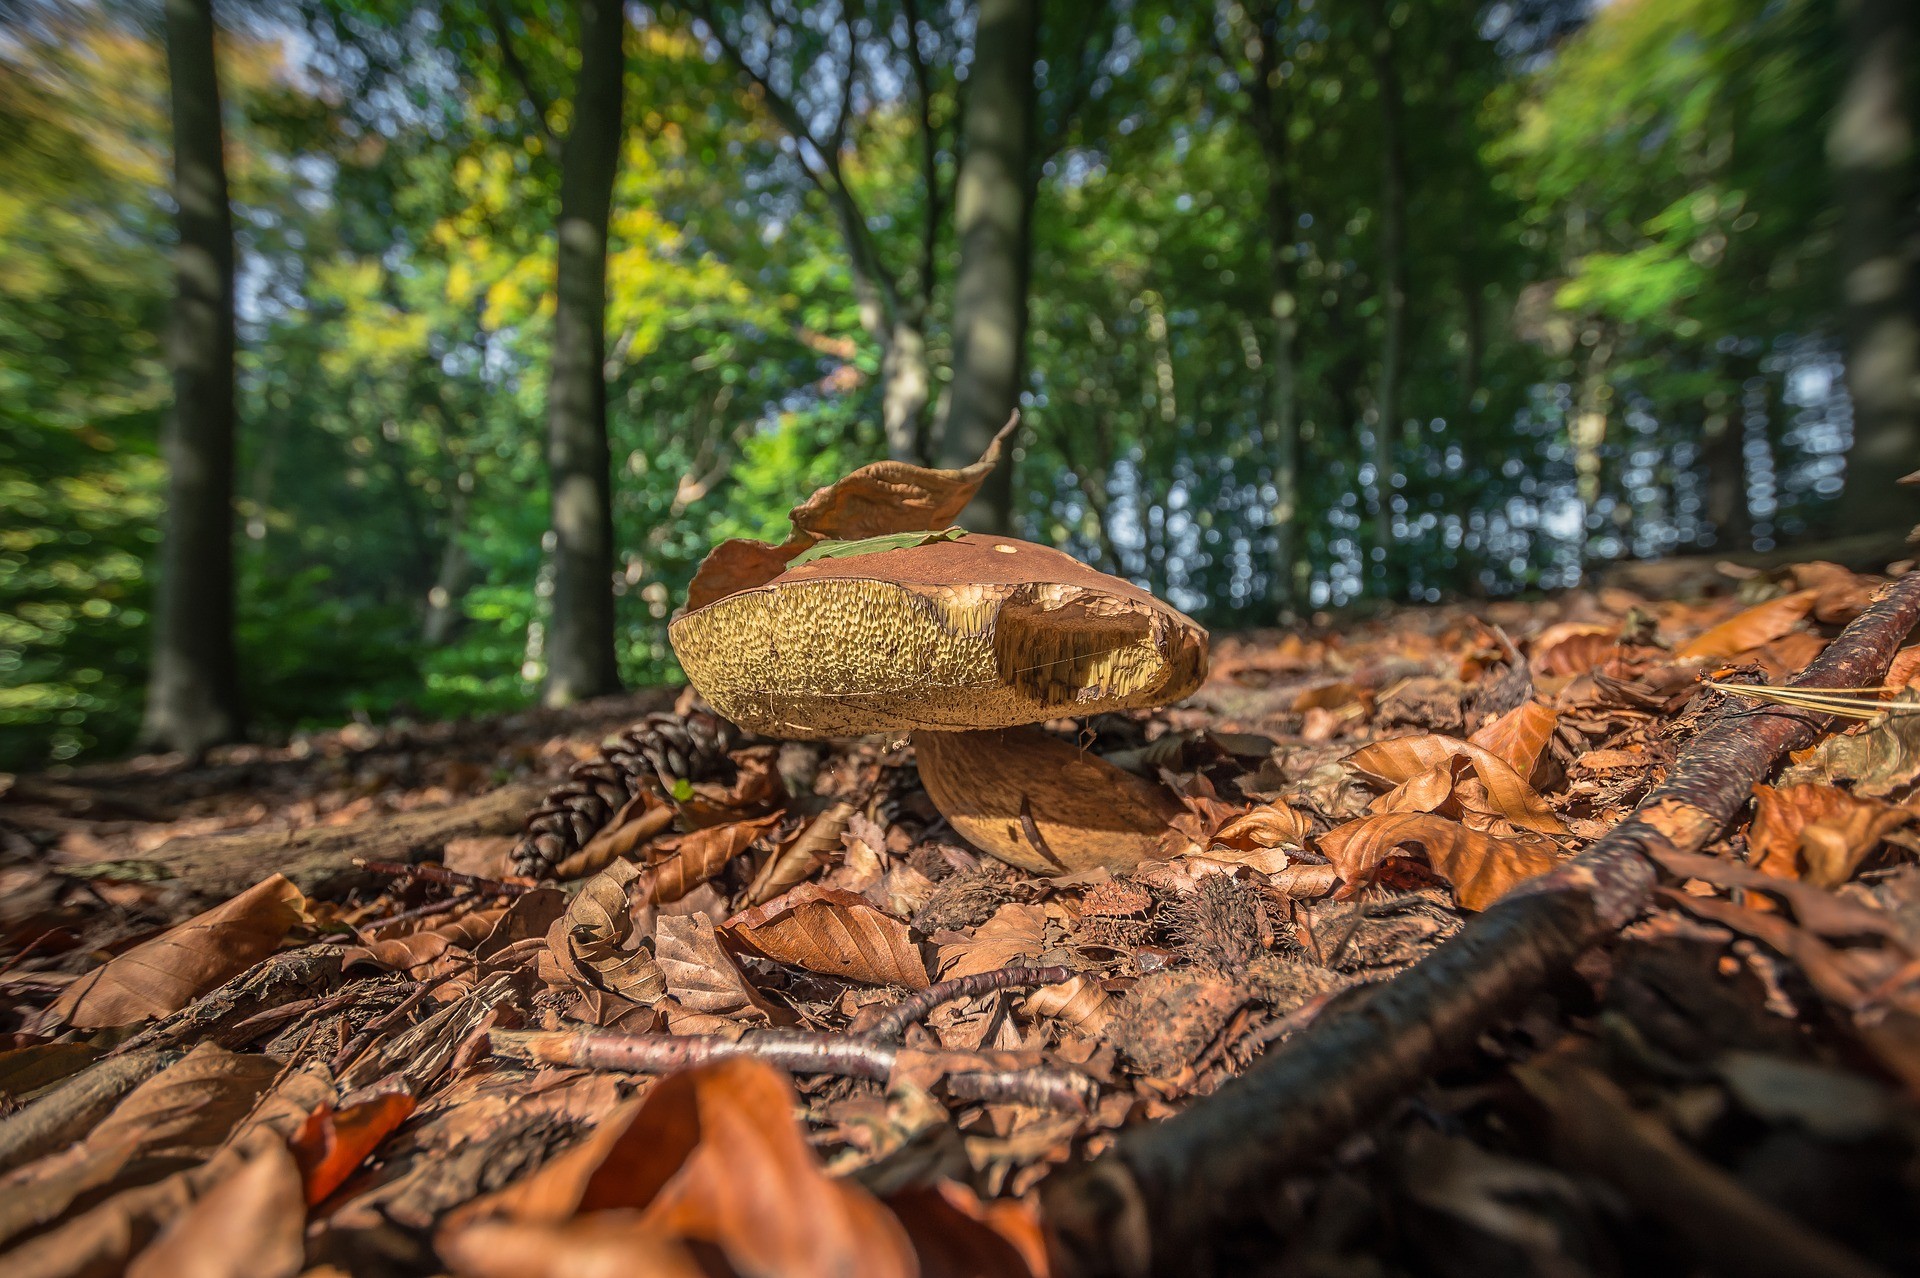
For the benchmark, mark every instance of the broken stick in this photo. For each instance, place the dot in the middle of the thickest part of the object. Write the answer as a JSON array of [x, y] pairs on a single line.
[[1151, 1204]]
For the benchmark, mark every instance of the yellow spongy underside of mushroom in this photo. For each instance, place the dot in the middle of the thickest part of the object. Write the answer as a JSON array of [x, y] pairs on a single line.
[[849, 655]]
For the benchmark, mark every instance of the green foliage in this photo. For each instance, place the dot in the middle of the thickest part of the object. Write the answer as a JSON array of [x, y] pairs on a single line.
[[1613, 250]]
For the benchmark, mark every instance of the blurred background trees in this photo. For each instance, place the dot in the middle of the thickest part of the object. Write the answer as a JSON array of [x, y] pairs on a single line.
[[1320, 303]]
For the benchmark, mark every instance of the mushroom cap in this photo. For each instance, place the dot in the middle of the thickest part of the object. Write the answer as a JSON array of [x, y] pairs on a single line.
[[950, 635]]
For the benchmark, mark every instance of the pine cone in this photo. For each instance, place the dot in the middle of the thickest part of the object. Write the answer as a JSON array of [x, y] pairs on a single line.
[[654, 754]]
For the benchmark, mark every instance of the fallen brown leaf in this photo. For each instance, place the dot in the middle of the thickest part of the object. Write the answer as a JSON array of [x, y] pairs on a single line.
[[1480, 867], [592, 946], [1748, 630], [711, 1156], [170, 971], [252, 1224], [834, 933], [1519, 737], [1816, 832]]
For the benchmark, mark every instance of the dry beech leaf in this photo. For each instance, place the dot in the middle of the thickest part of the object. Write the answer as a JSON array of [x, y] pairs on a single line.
[[1840, 594], [876, 500], [1745, 631], [810, 849], [590, 942], [1572, 647], [252, 1224], [174, 1119], [1268, 826], [1816, 832], [1015, 934], [958, 1236], [416, 952], [1427, 771], [332, 1143], [699, 972], [1519, 737], [168, 972], [834, 933], [1480, 867], [704, 853], [605, 1244], [711, 1156], [1876, 763], [1081, 1002]]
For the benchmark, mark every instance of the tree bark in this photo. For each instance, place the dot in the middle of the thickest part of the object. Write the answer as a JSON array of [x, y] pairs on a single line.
[[993, 209], [1723, 459], [1871, 148], [1270, 125], [193, 698], [580, 646], [1393, 286]]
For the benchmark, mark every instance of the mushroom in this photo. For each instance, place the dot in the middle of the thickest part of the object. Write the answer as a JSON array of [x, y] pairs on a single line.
[[966, 641]]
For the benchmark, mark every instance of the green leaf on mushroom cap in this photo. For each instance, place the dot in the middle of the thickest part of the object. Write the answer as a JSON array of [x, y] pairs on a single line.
[[873, 545]]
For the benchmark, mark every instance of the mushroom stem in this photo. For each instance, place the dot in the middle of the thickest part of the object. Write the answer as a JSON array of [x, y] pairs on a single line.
[[1040, 803]]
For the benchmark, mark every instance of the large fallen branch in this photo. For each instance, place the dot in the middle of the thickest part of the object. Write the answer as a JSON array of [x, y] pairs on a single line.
[[1152, 1203], [216, 866]]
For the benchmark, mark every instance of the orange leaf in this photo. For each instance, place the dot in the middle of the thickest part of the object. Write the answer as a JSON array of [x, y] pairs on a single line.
[[1480, 866], [168, 972], [604, 1244], [1414, 759], [1267, 826], [1816, 832], [703, 854], [832, 932], [958, 1236], [251, 1224], [1519, 736], [332, 1143], [710, 1156], [1573, 647], [1745, 631]]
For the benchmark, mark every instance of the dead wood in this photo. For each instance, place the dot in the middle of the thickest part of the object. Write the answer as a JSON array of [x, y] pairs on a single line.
[[321, 859], [71, 1109], [1151, 1204], [894, 1021]]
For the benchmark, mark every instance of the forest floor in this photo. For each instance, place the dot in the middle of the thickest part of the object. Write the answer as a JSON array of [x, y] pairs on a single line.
[[233, 1041]]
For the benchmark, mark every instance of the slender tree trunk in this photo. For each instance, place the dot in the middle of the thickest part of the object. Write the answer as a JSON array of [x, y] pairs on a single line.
[[1270, 123], [193, 700], [1393, 285], [1871, 148], [580, 644], [1723, 458], [993, 209], [906, 387]]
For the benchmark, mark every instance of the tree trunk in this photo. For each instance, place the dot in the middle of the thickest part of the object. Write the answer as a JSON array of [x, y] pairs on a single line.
[[193, 700], [1393, 284], [1871, 148], [580, 648], [906, 385], [993, 209], [1723, 458], [1270, 123]]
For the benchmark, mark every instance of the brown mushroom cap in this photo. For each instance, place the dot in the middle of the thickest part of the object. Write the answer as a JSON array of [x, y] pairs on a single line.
[[954, 635]]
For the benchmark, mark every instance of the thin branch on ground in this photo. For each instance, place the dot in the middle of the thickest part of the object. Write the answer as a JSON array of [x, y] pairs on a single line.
[[430, 873], [910, 1009], [798, 1052]]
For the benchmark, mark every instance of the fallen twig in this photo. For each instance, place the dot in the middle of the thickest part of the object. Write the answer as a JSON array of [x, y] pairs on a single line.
[[427, 872], [894, 1022], [797, 1052], [1152, 1202]]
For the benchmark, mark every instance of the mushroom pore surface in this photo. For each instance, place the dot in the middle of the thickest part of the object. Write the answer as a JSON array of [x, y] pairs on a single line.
[[978, 632]]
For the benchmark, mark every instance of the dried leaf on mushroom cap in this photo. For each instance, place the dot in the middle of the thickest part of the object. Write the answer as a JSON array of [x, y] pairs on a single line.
[[877, 500]]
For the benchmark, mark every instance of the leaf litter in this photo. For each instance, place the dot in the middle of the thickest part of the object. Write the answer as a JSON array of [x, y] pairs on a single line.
[[785, 1020]]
